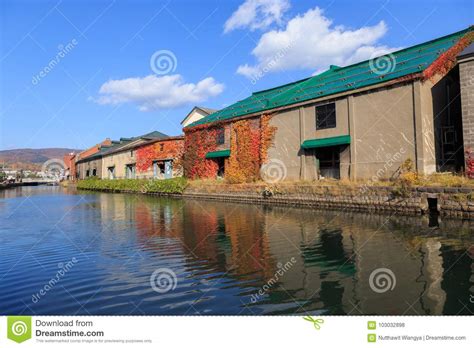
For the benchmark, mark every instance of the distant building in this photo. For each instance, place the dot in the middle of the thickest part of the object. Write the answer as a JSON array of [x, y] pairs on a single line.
[[70, 167], [120, 162], [160, 158], [70, 160], [152, 155], [197, 113]]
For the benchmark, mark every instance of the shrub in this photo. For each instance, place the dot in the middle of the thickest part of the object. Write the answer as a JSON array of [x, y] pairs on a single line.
[[175, 185]]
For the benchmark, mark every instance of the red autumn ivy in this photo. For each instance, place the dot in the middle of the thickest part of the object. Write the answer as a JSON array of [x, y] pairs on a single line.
[[161, 150]]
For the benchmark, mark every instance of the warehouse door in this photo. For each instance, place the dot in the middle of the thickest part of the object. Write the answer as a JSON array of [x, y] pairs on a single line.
[[327, 160]]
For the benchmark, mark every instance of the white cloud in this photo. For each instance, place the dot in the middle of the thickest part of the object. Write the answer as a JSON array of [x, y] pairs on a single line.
[[257, 14], [153, 92], [310, 41]]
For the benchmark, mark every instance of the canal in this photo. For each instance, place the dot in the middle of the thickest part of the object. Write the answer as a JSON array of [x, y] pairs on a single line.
[[68, 252]]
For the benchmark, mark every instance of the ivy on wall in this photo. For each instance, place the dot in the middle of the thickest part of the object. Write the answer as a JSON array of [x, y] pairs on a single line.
[[198, 142], [267, 135], [448, 59], [147, 154], [244, 161], [249, 142], [469, 155]]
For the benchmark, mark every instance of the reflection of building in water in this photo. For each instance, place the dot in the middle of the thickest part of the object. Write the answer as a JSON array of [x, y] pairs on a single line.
[[322, 278], [336, 257], [335, 253]]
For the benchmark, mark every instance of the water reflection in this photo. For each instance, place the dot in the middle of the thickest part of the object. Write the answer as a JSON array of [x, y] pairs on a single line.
[[224, 254]]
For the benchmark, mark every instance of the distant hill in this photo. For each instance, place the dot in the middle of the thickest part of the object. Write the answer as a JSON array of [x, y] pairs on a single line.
[[31, 159]]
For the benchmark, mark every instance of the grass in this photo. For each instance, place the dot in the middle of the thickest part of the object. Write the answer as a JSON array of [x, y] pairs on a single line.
[[408, 179], [179, 185], [175, 185]]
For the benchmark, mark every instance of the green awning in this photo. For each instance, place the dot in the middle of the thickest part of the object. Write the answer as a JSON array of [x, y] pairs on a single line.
[[324, 142], [216, 154]]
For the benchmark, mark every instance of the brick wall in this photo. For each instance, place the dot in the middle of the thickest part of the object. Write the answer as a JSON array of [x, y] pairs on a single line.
[[466, 75]]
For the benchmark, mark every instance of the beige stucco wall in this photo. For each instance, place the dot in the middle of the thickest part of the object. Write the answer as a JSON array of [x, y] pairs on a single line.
[[287, 141], [119, 160], [426, 154], [383, 132], [195, 115], [381, 123], [82, 167]]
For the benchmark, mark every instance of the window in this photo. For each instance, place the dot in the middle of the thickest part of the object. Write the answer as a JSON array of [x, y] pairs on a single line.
[[94, 172], [130, 171], [162, 146], [131, 153], [111, 171], [220, 137], [87, 172], [326, 116], [158, 169]]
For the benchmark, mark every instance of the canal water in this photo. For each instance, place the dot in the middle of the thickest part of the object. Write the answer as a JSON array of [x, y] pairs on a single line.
[[68, 252]]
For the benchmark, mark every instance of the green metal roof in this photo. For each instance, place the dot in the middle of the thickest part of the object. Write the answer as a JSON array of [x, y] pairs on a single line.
[[216, 154], [324, 142], [408, 61]]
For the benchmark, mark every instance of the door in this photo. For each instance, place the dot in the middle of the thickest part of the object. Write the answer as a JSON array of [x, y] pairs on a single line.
[[168, 169], [220, 167], [327, 160]]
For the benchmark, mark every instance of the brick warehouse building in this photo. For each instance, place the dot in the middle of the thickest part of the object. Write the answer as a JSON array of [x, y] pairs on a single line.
[[358, 121]]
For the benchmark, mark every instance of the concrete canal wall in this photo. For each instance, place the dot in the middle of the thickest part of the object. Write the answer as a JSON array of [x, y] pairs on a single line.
[[445, 201], [452, 202]]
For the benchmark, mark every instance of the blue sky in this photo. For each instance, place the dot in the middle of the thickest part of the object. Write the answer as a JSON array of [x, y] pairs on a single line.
[[76, 72]]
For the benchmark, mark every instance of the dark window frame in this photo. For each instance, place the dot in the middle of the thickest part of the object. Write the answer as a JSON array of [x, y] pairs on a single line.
[[111, 172], [326, 116], [220, 136], [130, 171]]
